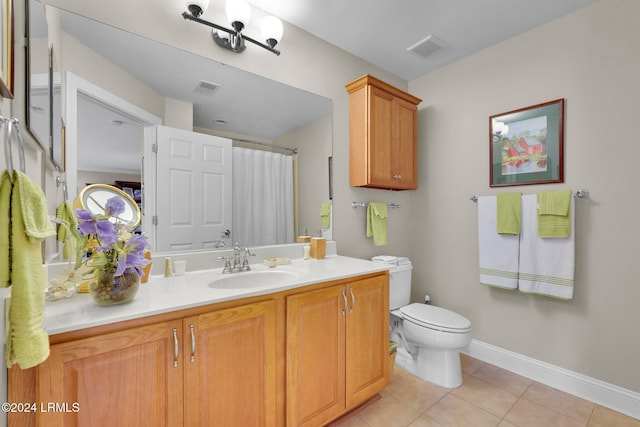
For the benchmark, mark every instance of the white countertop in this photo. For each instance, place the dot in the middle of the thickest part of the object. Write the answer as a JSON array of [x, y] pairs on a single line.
[[161, 294]]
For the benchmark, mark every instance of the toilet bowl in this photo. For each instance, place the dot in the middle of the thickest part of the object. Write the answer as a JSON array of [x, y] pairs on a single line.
[[439, 335], [429, 338]]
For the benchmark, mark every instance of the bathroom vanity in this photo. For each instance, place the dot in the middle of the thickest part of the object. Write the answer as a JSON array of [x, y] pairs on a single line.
[[206, 349]]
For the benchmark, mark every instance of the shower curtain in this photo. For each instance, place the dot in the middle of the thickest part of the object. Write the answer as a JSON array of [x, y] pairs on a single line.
[[262, 197]]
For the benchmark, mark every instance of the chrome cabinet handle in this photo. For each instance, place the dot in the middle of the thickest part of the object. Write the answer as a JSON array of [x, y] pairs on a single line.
[[344, 297], [353, 300], [193, 344], [176, 348]]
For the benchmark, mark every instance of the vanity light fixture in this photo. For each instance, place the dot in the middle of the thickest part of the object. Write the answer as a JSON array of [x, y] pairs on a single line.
[[238, 14]]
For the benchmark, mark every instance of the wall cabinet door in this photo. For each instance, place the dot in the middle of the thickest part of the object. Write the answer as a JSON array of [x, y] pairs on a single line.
[[230, 367], [337, 349], [117, 379]]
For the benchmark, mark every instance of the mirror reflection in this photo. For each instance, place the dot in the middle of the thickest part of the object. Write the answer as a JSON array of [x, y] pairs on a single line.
[[106, 144]]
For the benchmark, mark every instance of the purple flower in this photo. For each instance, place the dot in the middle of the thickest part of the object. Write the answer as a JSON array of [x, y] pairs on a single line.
[[114, 206]]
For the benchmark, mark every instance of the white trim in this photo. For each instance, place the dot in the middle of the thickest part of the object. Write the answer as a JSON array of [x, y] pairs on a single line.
[[605, 394], [74, 85]]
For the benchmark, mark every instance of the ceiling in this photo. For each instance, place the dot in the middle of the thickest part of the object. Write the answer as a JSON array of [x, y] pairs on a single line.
[[380, 31]]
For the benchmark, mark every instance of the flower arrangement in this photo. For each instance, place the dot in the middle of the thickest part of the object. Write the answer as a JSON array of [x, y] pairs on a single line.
[[112, 245], [113, 253]]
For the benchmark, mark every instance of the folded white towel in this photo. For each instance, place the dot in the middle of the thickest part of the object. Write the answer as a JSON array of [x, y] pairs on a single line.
[[498, 252], [384, 258], [546, 265]]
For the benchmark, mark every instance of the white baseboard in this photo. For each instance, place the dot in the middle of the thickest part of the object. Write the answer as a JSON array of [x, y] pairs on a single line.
[[600, 392]]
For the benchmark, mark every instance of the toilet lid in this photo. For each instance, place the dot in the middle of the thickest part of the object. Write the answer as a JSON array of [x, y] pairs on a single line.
[[435, 317]]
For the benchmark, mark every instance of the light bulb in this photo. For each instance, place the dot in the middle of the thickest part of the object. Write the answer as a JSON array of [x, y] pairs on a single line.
[[271, 27], [197, 7], [238, 11]]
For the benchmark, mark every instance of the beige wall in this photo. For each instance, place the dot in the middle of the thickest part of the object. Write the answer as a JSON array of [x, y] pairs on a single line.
[[314, 147], [592, 59]]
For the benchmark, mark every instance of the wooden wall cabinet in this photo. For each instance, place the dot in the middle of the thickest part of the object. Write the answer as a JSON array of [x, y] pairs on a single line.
[[337, 349], [383, 135]]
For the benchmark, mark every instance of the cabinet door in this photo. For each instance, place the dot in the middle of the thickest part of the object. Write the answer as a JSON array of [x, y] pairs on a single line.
[[118, 379], [367, 339], [381, 138], [406, 136], [315, 356], [230, 367]]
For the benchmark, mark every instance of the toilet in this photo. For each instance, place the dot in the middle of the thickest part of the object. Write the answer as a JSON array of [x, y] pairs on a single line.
[[429, 338]]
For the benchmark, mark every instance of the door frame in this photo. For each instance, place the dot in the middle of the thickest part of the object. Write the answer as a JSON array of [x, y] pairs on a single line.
[[76, 85]]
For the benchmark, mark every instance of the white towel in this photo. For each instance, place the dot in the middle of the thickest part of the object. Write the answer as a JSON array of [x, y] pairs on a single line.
[[546, 264], [498, 252]]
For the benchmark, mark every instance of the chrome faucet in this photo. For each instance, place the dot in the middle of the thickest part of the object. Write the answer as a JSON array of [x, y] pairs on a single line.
[[240, 260]]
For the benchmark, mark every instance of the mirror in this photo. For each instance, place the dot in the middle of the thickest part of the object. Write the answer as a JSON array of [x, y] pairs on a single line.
[[37, 73], [43, 103], [226, 101], [94, 198]]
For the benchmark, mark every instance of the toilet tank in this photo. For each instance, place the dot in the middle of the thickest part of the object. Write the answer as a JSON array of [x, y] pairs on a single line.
[[399, 280]]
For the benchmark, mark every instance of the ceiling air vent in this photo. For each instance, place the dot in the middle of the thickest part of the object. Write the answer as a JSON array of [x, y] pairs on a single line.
[[206, 88], [427, 46]]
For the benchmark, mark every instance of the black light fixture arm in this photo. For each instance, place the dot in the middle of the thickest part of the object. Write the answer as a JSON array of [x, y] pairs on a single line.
[[189, 16]]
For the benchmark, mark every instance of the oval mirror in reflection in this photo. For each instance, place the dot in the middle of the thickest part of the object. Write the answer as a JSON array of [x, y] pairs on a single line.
[[93, 198]]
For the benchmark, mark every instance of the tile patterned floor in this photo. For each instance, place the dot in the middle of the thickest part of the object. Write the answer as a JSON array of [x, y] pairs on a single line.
[[489, 396]]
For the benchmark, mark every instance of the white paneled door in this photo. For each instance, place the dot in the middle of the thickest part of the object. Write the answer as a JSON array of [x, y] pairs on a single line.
[[193, 189]]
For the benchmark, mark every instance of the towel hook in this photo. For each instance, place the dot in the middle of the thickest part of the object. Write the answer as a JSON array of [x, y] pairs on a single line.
[[8, 132], [63, 182]]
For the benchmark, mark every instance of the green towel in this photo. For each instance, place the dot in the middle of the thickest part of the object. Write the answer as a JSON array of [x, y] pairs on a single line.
[[325, 215], [554, 219], [508, 214], [377, 223], [5, 229], [27, 341], [68, 232]]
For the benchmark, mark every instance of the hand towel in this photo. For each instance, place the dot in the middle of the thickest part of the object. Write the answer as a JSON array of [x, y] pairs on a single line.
[[27, 341], [546, 265], [508, 213], [5, 229], [325, 215], [377, 223], [498, 252], [68, 231], [553, 213]]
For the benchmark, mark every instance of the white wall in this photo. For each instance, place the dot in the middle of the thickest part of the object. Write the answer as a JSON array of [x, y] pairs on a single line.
[[592, 59]]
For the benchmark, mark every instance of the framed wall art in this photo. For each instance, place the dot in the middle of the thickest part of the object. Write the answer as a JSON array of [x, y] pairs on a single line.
[[526, 146], [6, 45]]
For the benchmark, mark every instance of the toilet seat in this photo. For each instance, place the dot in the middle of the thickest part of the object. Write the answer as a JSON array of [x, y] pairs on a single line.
[[439, 319]]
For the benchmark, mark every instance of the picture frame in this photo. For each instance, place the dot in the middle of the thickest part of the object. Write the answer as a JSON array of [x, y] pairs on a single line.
[[6, 46], [526, 146], [128, 191]]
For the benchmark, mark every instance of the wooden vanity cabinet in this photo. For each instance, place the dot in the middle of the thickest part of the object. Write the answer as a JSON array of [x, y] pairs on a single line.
[[299, 357], [383, 135], [212, 369], [337, 349]]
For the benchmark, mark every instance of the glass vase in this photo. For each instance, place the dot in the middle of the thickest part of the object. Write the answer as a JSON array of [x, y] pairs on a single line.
[[108, 289]]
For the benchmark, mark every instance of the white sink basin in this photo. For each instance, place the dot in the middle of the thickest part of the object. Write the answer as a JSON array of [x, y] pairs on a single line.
[[253, 279]]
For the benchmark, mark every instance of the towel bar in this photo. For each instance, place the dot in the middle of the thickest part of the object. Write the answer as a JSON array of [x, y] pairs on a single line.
[[579, 194], [364, 205]]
